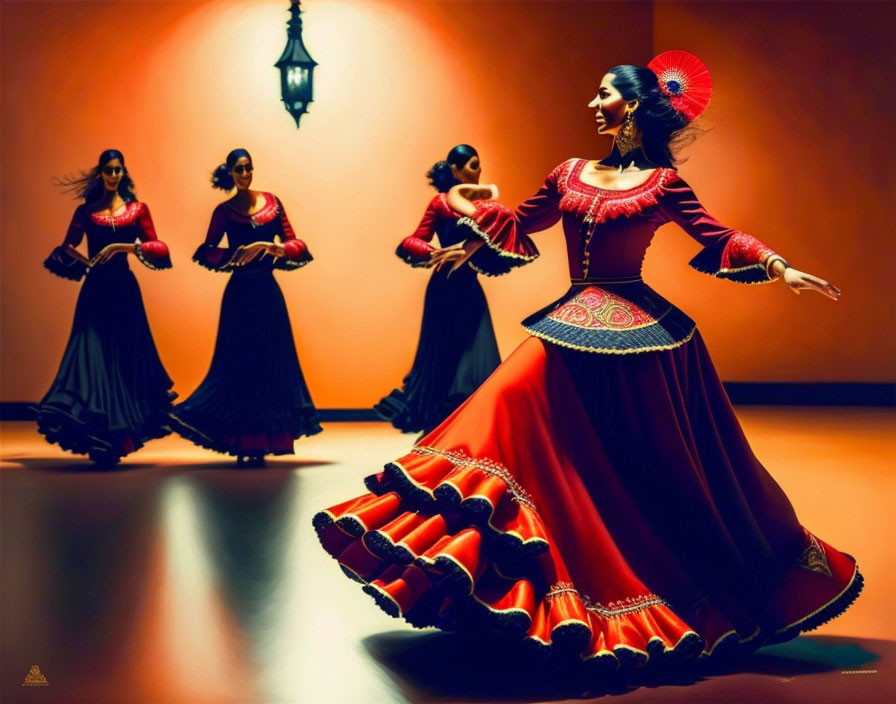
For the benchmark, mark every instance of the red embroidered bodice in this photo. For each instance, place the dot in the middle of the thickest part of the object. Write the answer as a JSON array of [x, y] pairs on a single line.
[[609, 309], [132, 224], [608, 231], [265, 225]]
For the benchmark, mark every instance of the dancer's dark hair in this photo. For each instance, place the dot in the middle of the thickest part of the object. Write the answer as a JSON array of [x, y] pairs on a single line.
[[440, 176], [221, 176], [663, 129], [88, 185]]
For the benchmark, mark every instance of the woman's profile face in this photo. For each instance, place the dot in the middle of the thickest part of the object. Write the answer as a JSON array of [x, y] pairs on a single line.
[[609, 106], [242, 173], [112, 172], [469, 172]]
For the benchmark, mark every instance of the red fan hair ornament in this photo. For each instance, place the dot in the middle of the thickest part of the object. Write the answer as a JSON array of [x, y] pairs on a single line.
[[685, 79]]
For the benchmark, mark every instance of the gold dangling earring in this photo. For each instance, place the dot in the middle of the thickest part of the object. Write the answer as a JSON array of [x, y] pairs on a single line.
[[626, 138]]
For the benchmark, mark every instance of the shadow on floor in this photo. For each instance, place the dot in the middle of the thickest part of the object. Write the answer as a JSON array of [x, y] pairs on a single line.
[[76, 465], [72, 465], [436, 666], [272, 465]]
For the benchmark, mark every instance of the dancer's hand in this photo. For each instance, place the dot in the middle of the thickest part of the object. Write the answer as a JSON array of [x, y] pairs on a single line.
[[276, 250], [109, 251], [250, 252], [439, 257], [801, 281], [456, 255]]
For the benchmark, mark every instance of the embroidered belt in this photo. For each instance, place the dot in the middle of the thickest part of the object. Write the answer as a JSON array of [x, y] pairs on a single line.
[[616, 317]]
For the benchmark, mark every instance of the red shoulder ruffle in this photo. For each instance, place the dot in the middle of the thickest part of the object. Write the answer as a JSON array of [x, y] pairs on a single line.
[[506, 247]]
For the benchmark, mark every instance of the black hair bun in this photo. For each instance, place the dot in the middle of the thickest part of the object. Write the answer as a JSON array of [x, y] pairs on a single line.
[[441, 177], [221, 178]]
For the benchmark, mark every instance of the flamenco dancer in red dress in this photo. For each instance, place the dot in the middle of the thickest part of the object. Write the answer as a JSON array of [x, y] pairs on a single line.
[[253, 401], [597, 496], [457, 349], [111, 393]]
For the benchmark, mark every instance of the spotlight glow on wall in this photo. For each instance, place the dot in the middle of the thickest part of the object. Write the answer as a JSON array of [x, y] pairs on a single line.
[[296, 67]]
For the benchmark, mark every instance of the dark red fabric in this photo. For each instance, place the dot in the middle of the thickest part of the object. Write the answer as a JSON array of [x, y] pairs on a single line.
[[638, 496], [505, 248], [608, 231], [217, 227], [154, 249], [601, 500], [436, 210], [147, 228], [75, 232], [416, 248], [294, 248], [133, 224], [725, 249], [240, 229]]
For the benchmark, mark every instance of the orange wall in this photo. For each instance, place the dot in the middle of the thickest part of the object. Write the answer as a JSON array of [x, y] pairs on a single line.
[[175, 85], [800, 154]]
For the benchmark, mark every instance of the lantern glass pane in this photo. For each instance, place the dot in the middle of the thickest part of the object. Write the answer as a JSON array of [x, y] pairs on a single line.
[[297, 77]]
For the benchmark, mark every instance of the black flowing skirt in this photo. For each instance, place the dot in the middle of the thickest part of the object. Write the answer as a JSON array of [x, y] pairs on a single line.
[[111, 393], [457, 351], [253, 400]]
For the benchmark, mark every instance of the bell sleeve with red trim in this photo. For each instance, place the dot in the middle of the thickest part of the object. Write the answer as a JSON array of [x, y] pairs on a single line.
[[296, 254], [727, 253], [209, 254], [505, 232], [150, 250], [416, 248], [64, 260]]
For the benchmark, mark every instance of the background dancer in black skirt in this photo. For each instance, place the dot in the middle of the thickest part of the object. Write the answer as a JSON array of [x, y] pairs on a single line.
[[253, 400], [457, 348], [111, 392]]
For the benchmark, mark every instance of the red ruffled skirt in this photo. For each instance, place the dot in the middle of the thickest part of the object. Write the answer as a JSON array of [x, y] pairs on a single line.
[[605, 508]]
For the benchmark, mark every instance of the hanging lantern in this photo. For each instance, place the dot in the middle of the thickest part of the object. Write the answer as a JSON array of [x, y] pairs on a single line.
[[296, 67]]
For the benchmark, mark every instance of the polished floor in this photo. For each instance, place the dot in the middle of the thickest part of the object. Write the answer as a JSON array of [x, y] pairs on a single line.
[[178, 578]]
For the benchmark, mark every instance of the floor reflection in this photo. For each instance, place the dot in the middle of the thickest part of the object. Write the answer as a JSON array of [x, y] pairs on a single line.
[[74, 566], [246, 521], [108, 587], [178, 578]]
